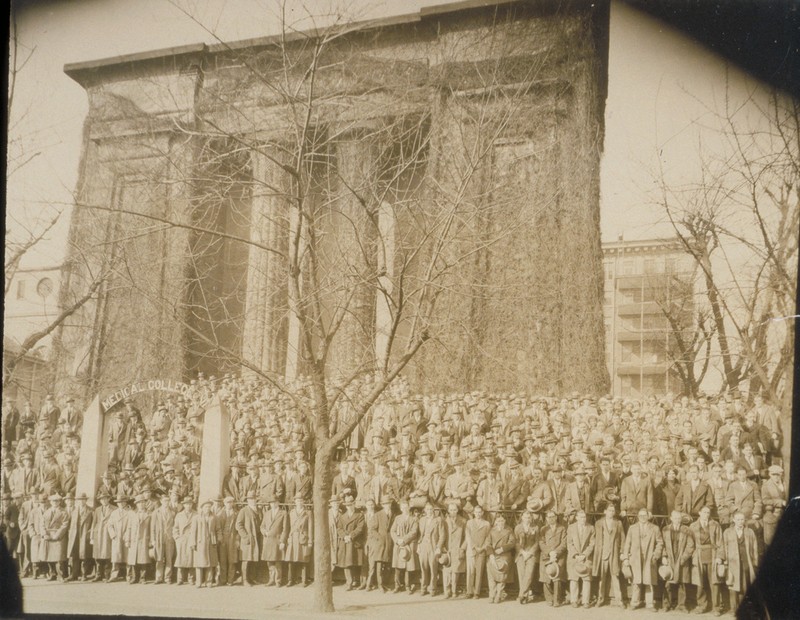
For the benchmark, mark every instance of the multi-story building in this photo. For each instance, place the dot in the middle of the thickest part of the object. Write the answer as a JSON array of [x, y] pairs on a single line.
[[31, 304], [649, 298]]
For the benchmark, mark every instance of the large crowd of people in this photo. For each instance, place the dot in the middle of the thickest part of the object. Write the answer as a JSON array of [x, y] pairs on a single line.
[[661, 502]]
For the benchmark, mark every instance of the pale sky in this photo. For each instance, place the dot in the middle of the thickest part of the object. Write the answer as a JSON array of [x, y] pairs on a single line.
[[661, 88]]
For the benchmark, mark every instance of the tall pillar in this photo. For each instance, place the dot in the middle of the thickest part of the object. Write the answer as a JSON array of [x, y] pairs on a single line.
[[93, 457], [263, 342], [355, 256], [215, 454], [293, 344]]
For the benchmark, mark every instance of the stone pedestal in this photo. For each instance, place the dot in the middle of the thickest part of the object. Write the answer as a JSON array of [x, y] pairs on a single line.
[[215, 454], [93, 458]]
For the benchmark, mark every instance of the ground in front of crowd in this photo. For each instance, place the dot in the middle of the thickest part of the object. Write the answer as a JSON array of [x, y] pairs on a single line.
[[47, 597]]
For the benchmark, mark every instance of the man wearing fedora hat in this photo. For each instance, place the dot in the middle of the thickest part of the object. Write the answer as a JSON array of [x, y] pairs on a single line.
[[181, 533], [248, 523], [405, 535], [117, 522], [350, 531], [54, 526], [79, 552], [137, 541], [204, 535], [162, 523], [552, 562], [580, 553]]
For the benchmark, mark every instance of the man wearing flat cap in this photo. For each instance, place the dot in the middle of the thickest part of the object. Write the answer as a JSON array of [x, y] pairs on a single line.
[[162, 523], [182, 533], [773, 499]]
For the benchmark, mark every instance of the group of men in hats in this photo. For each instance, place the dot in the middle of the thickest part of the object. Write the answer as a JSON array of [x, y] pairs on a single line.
[[438, 494]]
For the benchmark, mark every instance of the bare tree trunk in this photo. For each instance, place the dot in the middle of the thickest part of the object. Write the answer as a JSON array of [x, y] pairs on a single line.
[[323, 571]]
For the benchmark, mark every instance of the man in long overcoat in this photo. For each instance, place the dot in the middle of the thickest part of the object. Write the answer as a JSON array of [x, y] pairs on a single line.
[[773, 498], [248, 523], [454, 543], [431, 531], [162, 523], [643, 548], [181, 533], [678, 553], [79, 550], [694, 494], [54, 526], [204, 534], [580, 553], [405, 534], [350, 532], [275, 530], [553, 550], [708, 540], [137, 541], [100, 539], [228, 544], [739, 551]]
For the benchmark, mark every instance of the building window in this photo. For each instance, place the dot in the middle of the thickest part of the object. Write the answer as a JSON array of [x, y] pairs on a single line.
[[44, 288], [20, 289], [670, 265], [628, 267], [650, 265]]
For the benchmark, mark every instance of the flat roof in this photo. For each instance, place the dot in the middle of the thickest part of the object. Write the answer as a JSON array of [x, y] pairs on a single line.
[[79, 70]]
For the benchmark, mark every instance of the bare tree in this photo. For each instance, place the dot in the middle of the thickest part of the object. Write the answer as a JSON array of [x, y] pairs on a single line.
[[740, 224]]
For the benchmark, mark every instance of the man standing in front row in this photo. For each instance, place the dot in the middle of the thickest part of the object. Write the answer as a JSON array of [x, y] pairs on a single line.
[[678, 552], [708, 539], [608, 542], [643, 547], [740, 551]]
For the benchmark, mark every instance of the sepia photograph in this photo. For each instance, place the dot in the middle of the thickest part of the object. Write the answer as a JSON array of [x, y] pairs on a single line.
[[401, 308]]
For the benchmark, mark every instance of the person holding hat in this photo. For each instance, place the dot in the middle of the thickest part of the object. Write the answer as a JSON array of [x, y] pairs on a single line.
[[162, 523], [350, 533], [678, 551], [79, 552], [405, 534], [377, 524], [275, 534], [454, 545], [431, 531], [181, 532], [300, 542], [137, 541], [500, 544], [248, 523], [608, 542], [580, 555], [708, 539], [553, 553], [204, 535], [643, 547], [228, 544], [773, 498]]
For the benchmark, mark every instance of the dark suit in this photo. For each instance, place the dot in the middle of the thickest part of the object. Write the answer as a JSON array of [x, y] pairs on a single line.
[[691, 501]]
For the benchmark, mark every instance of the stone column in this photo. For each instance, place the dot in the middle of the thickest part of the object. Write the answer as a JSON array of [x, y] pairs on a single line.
[[293, 344], [356, 241], [215, 453], [93, 458], [263, 342]]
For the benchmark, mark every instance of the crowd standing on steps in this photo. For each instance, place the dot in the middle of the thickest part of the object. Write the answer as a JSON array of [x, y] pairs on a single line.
[[663, 502]]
